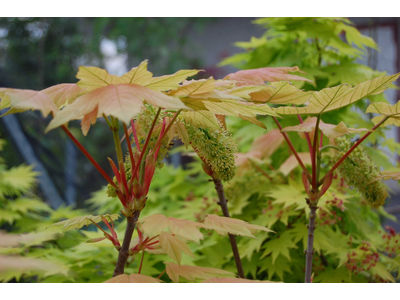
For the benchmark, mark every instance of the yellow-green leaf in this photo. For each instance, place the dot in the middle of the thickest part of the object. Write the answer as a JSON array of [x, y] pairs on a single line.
[[329, 99], [92, 78], [386, 110], [138, 75], [173, 246], [201, 118], [236, 108], [79, 222], [170, 82], [281, 92], [194, 87]]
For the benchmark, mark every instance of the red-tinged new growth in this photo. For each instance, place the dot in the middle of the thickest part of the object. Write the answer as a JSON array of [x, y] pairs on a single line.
[[113, 237], [145, 243]]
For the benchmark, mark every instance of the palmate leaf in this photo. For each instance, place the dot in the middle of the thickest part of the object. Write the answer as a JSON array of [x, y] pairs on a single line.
[[280, 245], [240, 108], [21, 100], [122, 101], [19, 178], [132, 278], [29, 239], [155, 224], [173, 246], [169, 82], [235, 280], [175, 271], [386, 110], [194, 87], [201, 118], [79, 222], [62, 94], [259, 76], [329, 130], [281, 93], [224, 225], [329, 99], [291, 163], [268, 143]]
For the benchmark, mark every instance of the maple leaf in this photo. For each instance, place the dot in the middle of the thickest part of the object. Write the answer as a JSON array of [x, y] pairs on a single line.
[[122, 101], [329, 130], [280, 245], [169, 82], [21, 100], [154, 224], [268, 143], [289, 195], [132, 278], [386, 110], [278, 266], [281, 93], [259, 76], [224, 225], [194, 87], [29, 239], [79, 222], [239, 108], [329, 99], [201, 118], [174, 271], [291, 163], [62, 94], [235, 280], [173, 246]]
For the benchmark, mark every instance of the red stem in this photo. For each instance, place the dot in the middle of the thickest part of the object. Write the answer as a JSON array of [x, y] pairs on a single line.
[[84, 151], [141, 262], [135, 135], [307, 137], [128, 142], [144, 147], [292, 148]]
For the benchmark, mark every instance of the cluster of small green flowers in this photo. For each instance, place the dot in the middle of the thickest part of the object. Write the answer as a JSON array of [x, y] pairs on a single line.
[[143, 124], [216, 147], [360, 172]]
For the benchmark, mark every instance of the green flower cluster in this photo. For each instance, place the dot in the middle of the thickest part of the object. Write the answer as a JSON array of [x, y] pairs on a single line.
[[216, 147], [360, 172], [143, 124]]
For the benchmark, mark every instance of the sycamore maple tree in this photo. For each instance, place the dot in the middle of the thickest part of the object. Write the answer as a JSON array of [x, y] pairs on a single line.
[[152, 111]]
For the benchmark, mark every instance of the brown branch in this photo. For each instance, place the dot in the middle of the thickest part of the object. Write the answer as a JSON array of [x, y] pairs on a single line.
[[124, 251], [223, 203], [310, 243]]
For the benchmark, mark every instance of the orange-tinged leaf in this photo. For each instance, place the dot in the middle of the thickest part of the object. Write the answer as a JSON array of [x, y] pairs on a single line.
[[122, 101], [259, 76], [89, 119], [281, 93], [235, 280], [95, 240], [173, 246], [224, 225], [170, 82], [62, 94], [174, 271], [24, 264], [132, 278], [155, 224], [268, 143], [28, 99], [245, 90], [291, 163], [329, 130], [329, 99]]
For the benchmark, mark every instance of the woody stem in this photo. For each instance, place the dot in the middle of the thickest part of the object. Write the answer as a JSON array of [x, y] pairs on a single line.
[[124, 251], [310, 243], [223, 203]]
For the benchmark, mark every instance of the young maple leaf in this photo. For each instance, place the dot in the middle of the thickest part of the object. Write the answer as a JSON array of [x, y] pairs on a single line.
[[155, 224], [174, 271], [235, 280], [291, 163], [79, 222], [330, 130], [224, 225], [173, 246], [132, 278], [260, 75]]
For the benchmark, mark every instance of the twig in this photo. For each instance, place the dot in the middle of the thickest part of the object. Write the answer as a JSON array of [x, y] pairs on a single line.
[[310, 243], [222, 202]]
